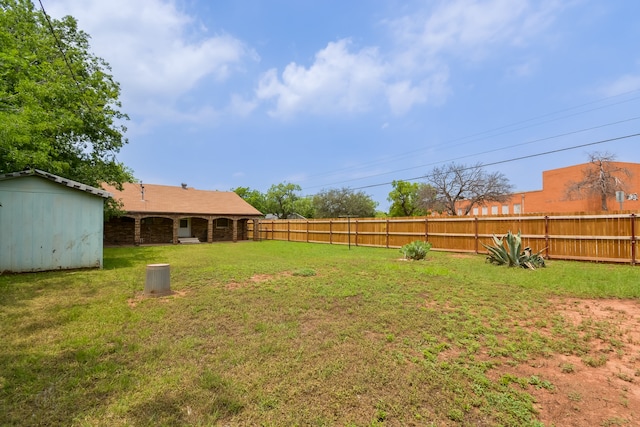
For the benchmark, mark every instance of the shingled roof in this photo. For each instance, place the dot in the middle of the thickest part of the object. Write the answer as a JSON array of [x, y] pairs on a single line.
[[151, 198]]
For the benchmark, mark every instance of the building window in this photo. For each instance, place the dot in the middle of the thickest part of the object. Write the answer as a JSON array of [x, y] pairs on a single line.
[[222, 223], [516, 208], [485, 210], [475, 211], [460, 212], [505, 209], [494, 210], [184, 223]]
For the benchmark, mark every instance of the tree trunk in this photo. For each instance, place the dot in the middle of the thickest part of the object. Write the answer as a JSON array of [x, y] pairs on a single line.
[[603, 198]]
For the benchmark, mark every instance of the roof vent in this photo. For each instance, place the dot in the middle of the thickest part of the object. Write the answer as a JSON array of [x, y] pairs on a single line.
[[184, 185]]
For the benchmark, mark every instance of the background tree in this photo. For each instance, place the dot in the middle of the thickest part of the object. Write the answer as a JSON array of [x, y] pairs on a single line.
[[455, 183], [254, 197], [304, 207], [404, 199], [601, 178], [334, 203], [428, 199], [281, 199], [59, 107]]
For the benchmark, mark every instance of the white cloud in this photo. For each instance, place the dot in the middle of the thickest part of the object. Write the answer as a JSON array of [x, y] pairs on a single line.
[[154, 48], [345, 80], [338, 81], [160, 55], [471, 28], [404, 95], [626, 83], [523, 69], [240, 106]]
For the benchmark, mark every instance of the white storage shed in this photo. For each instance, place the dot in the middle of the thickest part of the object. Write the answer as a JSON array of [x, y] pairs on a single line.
[[49, 223]]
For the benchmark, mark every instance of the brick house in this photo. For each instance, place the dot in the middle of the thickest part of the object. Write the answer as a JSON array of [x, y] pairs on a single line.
[[553, 196], [167, 214]]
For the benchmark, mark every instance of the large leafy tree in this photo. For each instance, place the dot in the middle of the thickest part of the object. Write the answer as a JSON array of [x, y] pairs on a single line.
[[304, 207], [601, 179], [59, 107], [281, 199], [254, 197], [404, 198], [334, 203], [463, 187]]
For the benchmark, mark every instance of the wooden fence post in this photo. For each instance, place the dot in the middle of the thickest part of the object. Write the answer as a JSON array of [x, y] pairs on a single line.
[[356, 225], [426, 229], [546, 237], [633, 239], [330, 232], [475, 232], [288, 230], [387, 231]]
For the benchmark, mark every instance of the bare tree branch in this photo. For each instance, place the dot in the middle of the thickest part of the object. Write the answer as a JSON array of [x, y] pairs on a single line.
[[601, 178], [454, 183]]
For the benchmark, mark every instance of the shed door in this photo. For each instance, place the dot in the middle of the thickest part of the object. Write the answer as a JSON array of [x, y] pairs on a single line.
[[184, 230]]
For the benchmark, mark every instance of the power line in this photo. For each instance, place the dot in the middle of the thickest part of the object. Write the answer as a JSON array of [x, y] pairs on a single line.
[[485, 152], [490, 133], [64, 56], [512, 159]]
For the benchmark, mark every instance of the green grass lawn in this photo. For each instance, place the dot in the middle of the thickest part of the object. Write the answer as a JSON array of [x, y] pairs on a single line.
[[275, 333]]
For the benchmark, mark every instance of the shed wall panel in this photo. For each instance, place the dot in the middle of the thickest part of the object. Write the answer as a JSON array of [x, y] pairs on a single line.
[[46, 226]]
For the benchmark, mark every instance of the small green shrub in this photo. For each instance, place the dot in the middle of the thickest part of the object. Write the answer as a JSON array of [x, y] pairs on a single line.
[[416, 250], [508, 251]]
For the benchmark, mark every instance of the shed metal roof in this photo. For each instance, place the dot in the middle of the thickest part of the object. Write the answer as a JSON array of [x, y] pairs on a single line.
[[59, 180]]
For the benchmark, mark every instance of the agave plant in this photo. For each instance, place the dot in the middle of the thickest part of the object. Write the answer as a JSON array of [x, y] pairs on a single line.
[[508, 250]]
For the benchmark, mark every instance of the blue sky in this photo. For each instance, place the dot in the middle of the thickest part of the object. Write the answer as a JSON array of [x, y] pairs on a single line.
[[331, 94]]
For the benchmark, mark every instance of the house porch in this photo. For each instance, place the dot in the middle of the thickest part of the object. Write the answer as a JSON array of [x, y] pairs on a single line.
[[136, 229]]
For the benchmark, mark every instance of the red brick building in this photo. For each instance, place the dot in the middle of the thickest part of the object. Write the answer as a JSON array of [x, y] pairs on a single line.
[[553, 197]]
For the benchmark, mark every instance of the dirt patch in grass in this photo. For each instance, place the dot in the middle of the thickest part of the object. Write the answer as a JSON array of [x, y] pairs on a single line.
[[600, 388], [256, 279], [139, 297]]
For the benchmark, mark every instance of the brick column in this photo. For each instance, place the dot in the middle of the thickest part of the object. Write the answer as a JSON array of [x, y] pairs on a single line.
[[176, 225], [210, 230], [136, 231], [235, 230]]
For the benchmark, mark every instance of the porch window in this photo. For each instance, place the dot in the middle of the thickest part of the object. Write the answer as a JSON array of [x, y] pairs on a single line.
[[222, 223], [184, 223]]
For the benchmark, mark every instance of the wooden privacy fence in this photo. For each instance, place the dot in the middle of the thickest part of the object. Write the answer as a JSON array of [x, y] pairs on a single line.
[[607, 238]]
